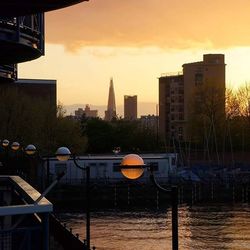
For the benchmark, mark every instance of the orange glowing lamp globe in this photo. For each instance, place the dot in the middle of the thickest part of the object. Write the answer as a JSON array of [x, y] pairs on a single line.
[[132, 166]]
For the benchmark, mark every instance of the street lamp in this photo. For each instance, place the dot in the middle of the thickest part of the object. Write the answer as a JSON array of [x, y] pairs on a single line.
[[9, 156], [132, 167], [30, 149], [5, 143], [63, 154], [15, 146]]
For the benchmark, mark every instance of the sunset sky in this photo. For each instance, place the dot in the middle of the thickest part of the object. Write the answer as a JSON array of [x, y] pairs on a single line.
[[135, 42]]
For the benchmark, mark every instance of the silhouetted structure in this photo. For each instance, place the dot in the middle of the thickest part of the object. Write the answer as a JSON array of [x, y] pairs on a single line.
[[130, 107], [87, 112], [110, 113], [178, 91]]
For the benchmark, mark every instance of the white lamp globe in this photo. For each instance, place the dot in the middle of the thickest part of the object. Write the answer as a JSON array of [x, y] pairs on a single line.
[[5, 143], [30, 149], [63, 154], [15, 146]]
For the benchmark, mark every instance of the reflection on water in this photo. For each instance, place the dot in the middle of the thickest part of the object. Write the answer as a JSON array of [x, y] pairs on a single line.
[[200, 227]]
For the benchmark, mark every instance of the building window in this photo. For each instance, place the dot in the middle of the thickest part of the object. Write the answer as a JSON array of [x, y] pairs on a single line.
[[181, 99], [154, 165], [103, 164], [116, 167], [198, 79], [180, 108], [181, 91], [181, 117]]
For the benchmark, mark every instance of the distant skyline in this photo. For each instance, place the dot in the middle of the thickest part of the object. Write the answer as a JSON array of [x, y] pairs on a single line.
[[135, 42], [144, 108]]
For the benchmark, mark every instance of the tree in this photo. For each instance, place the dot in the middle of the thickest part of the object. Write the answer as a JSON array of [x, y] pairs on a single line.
[[130, 136], [205, 128], [34, 121]]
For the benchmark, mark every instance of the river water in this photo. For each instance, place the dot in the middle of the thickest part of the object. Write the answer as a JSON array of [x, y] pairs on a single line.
[[206, 227]]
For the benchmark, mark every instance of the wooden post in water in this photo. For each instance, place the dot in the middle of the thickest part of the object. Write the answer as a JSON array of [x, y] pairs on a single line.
[[179, 195], [192, 194], [233, 193], [199, 191], [246, 193], [212, 191], [128, 194], [115, 196], [195, 195], [157, 199], [242, 194], [182, 194]]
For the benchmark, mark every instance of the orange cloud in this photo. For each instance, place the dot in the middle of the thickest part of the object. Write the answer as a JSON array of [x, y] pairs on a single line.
[[167, 24]]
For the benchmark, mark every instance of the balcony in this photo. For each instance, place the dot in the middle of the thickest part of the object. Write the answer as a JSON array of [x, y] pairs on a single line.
[[8, 73], [21, 38]]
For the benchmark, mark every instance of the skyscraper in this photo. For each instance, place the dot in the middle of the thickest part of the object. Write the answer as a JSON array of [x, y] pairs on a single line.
[[177, 93], [130, 107], [110, 113]]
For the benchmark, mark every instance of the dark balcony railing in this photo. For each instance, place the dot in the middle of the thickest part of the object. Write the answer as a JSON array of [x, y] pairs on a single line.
[[21, 38], [8, 73]]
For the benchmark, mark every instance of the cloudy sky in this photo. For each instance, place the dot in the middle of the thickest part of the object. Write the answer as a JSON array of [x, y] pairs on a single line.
[[135, 42]]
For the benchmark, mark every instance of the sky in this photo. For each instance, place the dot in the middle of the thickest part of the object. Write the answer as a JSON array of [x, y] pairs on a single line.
[[135, 42]]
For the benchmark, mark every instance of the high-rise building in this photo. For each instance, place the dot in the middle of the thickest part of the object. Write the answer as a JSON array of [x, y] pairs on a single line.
[[171, 104], [130, 107], [177, 93], [110, 113]]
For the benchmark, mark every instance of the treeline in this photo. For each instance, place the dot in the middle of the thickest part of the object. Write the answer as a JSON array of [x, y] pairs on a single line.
[[219, 123], [31, 121], [130, 136]]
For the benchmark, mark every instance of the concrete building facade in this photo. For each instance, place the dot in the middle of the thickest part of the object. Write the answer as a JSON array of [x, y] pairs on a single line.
[[171, 105], [130, 107], [177, 93]]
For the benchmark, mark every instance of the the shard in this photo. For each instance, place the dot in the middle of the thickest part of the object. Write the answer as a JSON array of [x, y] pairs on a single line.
[[110, 113]]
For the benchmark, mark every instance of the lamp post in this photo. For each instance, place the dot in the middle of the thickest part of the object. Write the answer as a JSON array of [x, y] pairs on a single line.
[[63, 154], [9, 156], [132, 167]]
